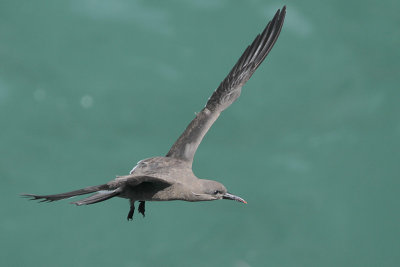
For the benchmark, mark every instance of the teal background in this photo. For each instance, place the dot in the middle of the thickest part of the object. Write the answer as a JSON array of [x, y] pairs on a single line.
[[88, 88]]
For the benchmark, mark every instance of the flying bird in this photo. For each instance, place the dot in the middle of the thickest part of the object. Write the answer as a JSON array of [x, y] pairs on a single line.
[[171, 177]]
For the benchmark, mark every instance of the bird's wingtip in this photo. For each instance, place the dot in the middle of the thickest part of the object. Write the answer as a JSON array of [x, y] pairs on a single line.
[[28, 196], [77, 203]]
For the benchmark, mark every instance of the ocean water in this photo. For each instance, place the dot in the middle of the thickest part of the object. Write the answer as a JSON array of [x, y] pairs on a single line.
[[90, 87]]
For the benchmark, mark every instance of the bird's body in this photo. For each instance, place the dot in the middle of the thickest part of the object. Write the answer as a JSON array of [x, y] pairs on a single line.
[[171, 177]]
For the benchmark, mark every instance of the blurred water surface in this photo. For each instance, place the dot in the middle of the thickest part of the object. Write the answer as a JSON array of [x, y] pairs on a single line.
[[89, 87]]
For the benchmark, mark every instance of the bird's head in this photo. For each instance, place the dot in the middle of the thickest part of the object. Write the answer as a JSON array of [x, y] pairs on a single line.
[[212, 190]]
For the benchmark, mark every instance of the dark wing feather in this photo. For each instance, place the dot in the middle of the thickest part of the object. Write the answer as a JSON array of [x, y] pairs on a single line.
[[98, 197], [229, 90], [134, 180]]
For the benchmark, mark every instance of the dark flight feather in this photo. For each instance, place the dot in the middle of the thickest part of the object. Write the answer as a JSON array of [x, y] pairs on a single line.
[[98, 197]]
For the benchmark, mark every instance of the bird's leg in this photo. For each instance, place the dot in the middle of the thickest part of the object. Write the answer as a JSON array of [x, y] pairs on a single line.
[[131, 211], [141, 208]]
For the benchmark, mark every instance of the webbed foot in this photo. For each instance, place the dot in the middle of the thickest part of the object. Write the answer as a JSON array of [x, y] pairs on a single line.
[[141, 208], [131, 211]]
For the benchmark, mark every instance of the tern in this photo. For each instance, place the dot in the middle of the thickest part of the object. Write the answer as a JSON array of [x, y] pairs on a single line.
[[171, 177]]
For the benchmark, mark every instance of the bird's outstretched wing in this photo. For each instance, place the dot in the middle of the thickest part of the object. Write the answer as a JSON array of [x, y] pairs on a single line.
[[229, 89], [104, 191]]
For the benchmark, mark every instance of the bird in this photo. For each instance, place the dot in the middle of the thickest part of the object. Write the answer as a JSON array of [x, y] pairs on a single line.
[[170, 177]]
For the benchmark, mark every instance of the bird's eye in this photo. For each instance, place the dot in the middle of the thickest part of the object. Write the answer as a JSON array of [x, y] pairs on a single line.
[[216, 192]]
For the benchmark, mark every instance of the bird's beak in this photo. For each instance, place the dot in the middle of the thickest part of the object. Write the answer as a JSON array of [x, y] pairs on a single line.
[[233, 197]]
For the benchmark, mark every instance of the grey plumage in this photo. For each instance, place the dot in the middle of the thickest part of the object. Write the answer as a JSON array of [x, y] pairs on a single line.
[[171, 177]]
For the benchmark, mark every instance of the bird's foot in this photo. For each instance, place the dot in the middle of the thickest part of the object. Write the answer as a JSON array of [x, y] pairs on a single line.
[[141, 208], [131, 211]]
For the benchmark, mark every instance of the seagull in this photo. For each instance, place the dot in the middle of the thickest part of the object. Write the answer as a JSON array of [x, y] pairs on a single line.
[[171, 177]]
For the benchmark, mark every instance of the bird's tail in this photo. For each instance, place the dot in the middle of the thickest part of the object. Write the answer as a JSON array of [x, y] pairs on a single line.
[[83, 191]]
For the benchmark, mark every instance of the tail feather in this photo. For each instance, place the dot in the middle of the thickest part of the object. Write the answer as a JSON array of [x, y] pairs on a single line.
[[51, 198], [99, 197]]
